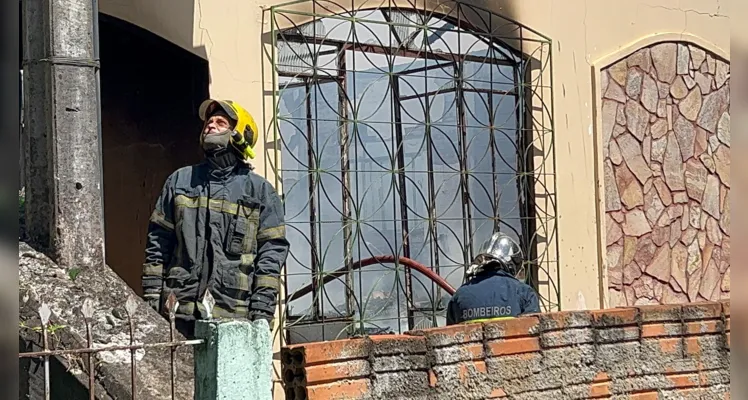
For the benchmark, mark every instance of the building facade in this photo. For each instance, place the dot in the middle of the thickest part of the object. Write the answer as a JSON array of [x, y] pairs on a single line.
[[596, 133]]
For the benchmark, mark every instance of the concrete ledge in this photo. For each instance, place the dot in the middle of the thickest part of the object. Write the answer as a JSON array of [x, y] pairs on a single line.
[[235, 363]]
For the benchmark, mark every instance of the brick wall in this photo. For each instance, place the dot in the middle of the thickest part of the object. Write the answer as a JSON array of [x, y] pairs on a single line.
[[648, 352]]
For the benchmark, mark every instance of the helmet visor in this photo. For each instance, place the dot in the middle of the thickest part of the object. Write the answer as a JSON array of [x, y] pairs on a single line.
[[208, 107]]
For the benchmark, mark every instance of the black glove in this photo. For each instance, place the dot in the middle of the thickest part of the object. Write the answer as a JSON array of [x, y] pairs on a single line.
[[258, 316], [155, 304]]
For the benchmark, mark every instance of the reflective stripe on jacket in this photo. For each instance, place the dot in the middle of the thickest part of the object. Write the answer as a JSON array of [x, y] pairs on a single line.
[[492, 294], [221, 230]]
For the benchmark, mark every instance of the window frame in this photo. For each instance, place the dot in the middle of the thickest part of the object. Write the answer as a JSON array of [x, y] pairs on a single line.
[[525, 190]]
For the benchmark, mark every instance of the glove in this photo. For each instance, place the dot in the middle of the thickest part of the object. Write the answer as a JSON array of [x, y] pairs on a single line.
[[258, 316], [155, 304]]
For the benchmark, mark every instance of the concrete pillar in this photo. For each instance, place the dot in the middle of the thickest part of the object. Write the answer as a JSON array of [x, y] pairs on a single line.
[[64, 206], [235, 363]]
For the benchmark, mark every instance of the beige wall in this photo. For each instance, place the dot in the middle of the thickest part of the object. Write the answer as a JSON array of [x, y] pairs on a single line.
[[229, 34], [586, 35]]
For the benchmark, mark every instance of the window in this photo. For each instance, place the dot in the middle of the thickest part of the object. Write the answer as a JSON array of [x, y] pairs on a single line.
[[402, 133]]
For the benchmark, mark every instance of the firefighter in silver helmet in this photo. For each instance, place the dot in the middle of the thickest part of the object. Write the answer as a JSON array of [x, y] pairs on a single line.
[[492, 289]]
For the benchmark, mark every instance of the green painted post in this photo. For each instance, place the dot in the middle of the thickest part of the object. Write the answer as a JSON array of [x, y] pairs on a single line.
[[235, 362]]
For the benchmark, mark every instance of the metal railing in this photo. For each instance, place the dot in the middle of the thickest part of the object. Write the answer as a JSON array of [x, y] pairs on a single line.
[[46, 328]]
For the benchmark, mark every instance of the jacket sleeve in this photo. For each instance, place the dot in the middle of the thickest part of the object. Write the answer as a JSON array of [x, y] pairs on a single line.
[[272, 250], [452, 313], [530, 302], [159, 245]]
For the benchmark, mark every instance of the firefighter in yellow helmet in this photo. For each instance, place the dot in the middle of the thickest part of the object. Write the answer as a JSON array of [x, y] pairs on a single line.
[[217, 228], [242, 136]]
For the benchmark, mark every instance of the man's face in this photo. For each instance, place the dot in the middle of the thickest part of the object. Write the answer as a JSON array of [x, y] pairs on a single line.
[[216, 123]]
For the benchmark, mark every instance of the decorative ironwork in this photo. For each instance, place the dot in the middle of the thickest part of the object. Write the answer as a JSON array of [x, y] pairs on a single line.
[[47, 328], [406, 133]]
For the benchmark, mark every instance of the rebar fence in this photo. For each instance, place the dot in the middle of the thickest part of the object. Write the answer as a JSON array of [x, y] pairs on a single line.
[[85, 358], [405, 131]]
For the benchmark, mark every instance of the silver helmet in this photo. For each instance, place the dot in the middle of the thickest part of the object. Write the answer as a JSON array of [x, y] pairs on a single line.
[[501, 249]]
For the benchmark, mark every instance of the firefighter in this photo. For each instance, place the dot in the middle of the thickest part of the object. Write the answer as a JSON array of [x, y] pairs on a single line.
[[217, 227], [492, 290]]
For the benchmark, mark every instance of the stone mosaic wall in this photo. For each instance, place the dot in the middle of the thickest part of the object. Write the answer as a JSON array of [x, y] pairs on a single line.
[[666, 149]]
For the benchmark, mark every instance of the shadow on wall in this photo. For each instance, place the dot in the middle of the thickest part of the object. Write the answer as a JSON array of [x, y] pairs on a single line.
[[150, 92]]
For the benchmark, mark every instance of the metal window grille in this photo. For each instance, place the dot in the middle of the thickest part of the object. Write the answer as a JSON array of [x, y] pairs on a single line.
[[409, 133]]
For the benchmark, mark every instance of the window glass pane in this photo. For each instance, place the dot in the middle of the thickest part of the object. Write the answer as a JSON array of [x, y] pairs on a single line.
[[374, 191], [414, 115], [326, 128], [306, 58], [483, 75], [296, 179], [415, 79], [493, 166]]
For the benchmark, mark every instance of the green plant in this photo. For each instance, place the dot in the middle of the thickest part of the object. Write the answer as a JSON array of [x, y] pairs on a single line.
[[51, 329], [73, 273]]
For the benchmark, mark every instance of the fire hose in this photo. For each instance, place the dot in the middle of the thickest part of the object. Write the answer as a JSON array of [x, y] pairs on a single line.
[[407, 262]]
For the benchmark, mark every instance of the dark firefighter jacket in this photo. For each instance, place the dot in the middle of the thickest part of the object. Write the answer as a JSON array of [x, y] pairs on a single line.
[[491, 294], [216, 229]]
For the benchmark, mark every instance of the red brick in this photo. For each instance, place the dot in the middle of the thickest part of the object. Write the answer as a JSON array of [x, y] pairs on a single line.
[[703, 310], [618, 334], [644, 396], [615, 316], [326, 373], [397, 344], [672, 345], [692, 345], [480, 366], [660, 313], [565, 319], [598, 390], [669, 346], [692, 393], [474, 367], [676, 329], [601, 376], [348, 390], [497, 393], [654, 330], [697, 327], [451, 335], [476, 351], [389, 338], [726, 307], [432, 378], [335, 350], [457, 353], [509, 328], [513, 346], [684, 380]]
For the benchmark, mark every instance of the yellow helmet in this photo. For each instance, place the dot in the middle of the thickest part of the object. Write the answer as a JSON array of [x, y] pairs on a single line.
[[246, 134]]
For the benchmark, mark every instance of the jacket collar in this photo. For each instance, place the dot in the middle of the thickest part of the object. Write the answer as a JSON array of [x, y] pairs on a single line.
[[487, 273]]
